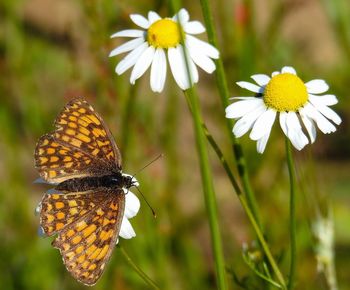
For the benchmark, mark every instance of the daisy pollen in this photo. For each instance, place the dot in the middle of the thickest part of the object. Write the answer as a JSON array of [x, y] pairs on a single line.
[[159, 40], [164, 33], [298, 105], [285, 92]]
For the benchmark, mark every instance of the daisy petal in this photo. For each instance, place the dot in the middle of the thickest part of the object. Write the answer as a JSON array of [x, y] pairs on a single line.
[[140, 20], [283, 122], [142, 64], [194, 27], [295, 133], [323, 124], [132, 205], [130, 59], [261, 144], [195, 44], [310, 127], [191, 65], [328, 113], [275, 73], [251, 87], [263, 125], [289, 69], [153, 17], [243, 125], [193, 71], [182, 16], [126, 229], [239, 109], [179, 68], [261, 79], [316, 86], [129, 33], [327, 100], [203, 61], [127, 46], [158, 71]]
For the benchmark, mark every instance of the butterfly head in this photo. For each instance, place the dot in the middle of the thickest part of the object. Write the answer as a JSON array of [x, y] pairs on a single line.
[[129, 181]]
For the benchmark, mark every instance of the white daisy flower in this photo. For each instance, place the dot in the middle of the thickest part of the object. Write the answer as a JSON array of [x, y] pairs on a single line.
[[159, 39], [297, 104], [132, 206]]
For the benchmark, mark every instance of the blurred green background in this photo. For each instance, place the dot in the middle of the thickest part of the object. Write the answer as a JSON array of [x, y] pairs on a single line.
[[52, 51]]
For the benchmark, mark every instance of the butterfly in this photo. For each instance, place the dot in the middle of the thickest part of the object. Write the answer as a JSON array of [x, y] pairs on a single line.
[[91, 202]]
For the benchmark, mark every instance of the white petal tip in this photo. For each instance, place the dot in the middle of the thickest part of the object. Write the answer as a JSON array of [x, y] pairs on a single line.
[[289, 69]]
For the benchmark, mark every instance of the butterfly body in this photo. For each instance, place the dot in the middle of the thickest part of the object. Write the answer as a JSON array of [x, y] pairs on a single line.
[[87, 211], [116, 180]]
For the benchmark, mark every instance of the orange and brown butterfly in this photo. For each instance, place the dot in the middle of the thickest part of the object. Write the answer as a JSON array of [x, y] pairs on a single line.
[[91, 203]]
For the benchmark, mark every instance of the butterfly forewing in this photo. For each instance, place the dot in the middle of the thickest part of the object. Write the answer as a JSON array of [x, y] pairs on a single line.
[[86, 244], [80, 146], [57, 162], [80, 126]]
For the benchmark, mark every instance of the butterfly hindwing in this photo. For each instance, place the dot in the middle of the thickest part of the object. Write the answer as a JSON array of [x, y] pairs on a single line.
[[59, 209], [87, 244]]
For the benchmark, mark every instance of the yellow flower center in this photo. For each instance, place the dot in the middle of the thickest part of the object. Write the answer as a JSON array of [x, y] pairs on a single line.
[[285, 92], [164, 33]]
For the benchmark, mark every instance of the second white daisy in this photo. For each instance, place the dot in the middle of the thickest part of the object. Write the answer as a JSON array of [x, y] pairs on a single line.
[[297, 103], [159, 39], [132, 206]]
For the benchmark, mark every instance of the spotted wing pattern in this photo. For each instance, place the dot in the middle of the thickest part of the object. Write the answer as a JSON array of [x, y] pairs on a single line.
[[61, 209], [81, 145], [58, 162], [87, 226]]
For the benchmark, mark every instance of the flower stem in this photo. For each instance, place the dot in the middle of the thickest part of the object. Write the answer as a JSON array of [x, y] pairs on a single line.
[[125, 122], [207, 180], [223, 161], [142, 274], [292, 217], [225, 95], [246, 208], [208, 188]]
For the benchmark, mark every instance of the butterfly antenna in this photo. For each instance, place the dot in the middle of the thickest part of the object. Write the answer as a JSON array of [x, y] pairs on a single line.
[[148, 164], [153, 212]]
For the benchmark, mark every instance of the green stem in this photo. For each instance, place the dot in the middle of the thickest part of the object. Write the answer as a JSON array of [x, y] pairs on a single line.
[[246, 208], [208, 188], [223, 161], [142, 274], [292, 217], [263, 243], [225, 95], [207, 180], [125, 122]]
